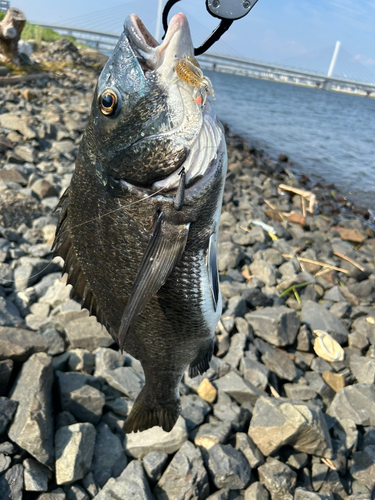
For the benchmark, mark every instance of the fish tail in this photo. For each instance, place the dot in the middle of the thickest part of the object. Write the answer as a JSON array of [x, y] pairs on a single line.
[[147, 413]]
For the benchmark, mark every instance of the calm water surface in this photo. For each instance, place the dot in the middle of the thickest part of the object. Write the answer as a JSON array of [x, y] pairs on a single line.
[[326, 135]]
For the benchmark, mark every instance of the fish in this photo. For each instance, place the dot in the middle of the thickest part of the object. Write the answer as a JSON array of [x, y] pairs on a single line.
[[138, 225]]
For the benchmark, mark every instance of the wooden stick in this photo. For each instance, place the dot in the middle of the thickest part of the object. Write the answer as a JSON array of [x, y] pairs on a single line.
[[310, 261], [349, 260], [305, 194], [12, 80], [329, 463], [274, 392], [323, 271], [303, 207], [244, 229]]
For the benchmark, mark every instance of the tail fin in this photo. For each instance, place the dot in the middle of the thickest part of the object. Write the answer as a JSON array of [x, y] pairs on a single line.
[[147, 413]]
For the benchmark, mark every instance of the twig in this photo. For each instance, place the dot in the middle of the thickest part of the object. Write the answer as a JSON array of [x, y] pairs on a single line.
[[244, 229], [274, 392], [303, 207], [310, 261], [321, 272], [272, 207], [329, 463], [305, 194], [349, 260]]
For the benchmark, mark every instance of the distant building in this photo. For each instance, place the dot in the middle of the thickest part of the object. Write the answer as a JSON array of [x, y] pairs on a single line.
[[4, 5]]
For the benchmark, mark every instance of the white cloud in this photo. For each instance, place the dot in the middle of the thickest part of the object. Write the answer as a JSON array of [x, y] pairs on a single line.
[[366, 61]]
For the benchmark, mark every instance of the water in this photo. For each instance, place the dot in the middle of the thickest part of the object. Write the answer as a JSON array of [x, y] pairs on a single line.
[[326, 135]]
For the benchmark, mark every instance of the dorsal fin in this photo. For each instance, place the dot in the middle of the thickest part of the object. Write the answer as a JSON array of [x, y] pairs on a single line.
[[63, 247]]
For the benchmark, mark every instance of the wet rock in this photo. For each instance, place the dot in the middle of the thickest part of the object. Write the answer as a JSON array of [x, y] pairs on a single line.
[[139, 444], [74, 451], [185, 477], [87, 333], [36, 475], [227, 467], [363, 369], [7, 411], [249, 450], [207, 435], [131, 484], [11, 483], [239, 389], [32, 427], [79, 398], [277, 325], [279, 479], [356, 403], [154, 464], [318, 318], [280, 421], [194, 410], [109, 458], [125, 380]]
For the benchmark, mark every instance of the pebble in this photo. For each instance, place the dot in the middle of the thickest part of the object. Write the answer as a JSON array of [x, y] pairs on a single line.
[[207, 391], [279, 479], [227, 467], [278, 326]]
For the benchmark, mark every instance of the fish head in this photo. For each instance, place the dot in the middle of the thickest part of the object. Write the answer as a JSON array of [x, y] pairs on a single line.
[[145, 118]]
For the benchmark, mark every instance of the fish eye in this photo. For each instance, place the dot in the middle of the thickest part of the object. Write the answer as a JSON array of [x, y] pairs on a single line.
[[109, 102]]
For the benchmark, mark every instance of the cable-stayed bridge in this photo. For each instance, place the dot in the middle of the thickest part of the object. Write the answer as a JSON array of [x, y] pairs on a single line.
[[343, 73]]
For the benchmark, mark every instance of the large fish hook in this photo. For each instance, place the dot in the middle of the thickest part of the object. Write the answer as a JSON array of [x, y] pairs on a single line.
[[225, 10]]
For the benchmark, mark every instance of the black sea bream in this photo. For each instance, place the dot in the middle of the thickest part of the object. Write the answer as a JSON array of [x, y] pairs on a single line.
[[138, 224]]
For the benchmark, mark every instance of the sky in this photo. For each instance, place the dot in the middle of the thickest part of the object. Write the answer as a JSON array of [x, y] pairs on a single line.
[[299, 33]]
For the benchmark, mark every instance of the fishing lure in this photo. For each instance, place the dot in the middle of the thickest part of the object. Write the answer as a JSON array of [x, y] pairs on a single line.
[[189, 71]]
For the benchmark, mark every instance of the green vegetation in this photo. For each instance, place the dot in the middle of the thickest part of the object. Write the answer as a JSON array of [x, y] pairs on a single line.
[[2, 14]]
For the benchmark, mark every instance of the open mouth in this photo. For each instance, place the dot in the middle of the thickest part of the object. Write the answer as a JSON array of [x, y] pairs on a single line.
[[148, 51]]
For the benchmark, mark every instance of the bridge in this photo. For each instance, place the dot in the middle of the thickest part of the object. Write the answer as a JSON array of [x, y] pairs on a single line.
[[105, 42]]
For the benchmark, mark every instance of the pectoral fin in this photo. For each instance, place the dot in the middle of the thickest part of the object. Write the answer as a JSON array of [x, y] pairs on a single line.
[[164, 249]]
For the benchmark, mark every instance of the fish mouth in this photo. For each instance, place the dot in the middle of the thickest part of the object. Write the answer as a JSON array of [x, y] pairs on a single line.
[[150, 54]]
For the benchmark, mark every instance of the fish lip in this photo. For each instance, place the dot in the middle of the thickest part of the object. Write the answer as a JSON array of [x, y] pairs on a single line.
[[150, 53]]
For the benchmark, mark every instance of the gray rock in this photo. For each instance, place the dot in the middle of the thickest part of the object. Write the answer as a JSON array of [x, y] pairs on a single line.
[[355, 403], [334, 294], [363, 468], [9, 314], [64, 418], [300, 392], [126, 380], [280, 421], [207, 435], [139, 444], [185, 477], [318, 475], [54, 341], [333, 484], [35, 475], [363, 327], [109, 458], [194, 410], [81, 360], [229, 256], [19, 344], [236, 349], [87, 333], [280, 363], [298, 460], [249, 449], [318, 318], [7, 410], [77, 493], [6, 368], [11, 121], [255, 373], [301, 494], [256, 492], [121, 406], [44, 189], [89, 484], [11, 483], [264, 271], [32, 427], [236, 307], [228, 468], [29, 270], [154, 465], [132, 484], [279, 479], [5, 462], [57, 494], [74, 452], [239, 389], [277, 325], [363, 369], [107, 360], [79, 398], [255, 298]]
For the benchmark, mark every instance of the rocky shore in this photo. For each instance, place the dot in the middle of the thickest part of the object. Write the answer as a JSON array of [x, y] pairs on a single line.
[[286, 410]]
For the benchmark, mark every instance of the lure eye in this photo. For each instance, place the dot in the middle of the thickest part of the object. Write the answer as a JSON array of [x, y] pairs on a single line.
[[109, 102]]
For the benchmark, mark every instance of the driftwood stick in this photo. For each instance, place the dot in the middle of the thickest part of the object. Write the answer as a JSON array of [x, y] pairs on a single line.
[[361, 268], [311, 197], [310, 261]]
